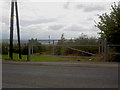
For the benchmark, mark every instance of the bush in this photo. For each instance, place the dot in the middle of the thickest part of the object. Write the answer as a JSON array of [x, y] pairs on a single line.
[[24, 49], [72, 50], [4, 48]]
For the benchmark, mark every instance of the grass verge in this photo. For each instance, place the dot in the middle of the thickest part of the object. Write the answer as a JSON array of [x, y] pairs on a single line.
[[45, 58]]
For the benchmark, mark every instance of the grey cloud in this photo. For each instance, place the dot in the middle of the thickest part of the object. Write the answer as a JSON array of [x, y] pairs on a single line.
[[5, 20], [80, 6], [5, 35], [39, 21], [66, 5], [75, 28], [94, 29], [94, 8], [90, 19], [90, 7], [56, 27]]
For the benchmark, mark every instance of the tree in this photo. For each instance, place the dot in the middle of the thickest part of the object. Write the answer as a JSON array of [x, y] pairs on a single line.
[[60, 49], [110, 26]]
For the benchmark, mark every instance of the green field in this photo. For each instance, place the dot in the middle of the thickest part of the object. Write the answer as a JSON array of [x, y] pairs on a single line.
[[46, 58]]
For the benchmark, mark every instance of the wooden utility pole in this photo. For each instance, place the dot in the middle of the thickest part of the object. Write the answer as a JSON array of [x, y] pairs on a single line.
[[11, 28], [18, 31]]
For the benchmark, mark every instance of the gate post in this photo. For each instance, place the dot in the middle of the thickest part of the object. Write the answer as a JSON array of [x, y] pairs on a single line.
[[105, 49], [53, 47], [29, 50], [99, 47]]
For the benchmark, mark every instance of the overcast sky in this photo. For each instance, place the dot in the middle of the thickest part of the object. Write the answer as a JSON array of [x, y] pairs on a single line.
[[40, 19]]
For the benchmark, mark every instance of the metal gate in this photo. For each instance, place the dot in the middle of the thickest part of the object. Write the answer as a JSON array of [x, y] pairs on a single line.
[[100, 44]]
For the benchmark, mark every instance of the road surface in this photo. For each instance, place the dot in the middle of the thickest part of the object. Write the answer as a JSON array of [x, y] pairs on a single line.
[[59, 76]]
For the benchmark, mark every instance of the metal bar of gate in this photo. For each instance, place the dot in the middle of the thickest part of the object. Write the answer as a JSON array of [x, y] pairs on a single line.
[[68, 56], [113, 53], [81, 51], [53, 47], [67, 45], [113, 45], [59, 40]]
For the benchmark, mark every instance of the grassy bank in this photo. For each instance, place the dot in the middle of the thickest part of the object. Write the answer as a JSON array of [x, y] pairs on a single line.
[[45, 58]]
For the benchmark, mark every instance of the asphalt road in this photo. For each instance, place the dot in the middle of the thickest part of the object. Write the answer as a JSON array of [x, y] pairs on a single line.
[[53, 76]]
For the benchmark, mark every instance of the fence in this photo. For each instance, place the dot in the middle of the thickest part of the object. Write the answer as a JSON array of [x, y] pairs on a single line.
[[54, 43], [109, 53]]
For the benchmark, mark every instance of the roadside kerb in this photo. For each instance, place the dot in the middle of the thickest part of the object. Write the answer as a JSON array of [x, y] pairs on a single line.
[[69, 63]]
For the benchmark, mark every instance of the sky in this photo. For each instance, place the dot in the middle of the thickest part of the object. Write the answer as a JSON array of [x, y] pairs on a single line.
[[42, 18]]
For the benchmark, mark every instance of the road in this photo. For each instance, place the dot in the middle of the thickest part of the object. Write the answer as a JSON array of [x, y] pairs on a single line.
[[58, 76]]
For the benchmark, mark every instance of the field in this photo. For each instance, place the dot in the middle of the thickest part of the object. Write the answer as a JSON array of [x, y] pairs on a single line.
[[45, 58]]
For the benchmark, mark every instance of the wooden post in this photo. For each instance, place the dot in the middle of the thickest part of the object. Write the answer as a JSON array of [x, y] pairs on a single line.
[[29, 50], [105, 50], [11, 30]]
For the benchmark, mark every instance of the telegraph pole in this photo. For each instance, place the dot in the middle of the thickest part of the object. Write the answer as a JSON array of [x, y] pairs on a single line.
[[18, 31], [11, 28]]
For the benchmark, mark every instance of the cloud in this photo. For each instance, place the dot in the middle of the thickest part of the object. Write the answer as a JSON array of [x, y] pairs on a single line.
[[75, 28], [90, 19], [32, 28], [5, 31], [6, 20], [40, 31], [38, 21], [66, 5], [50, 18], [56, 27], [75, 31], [90, 7]]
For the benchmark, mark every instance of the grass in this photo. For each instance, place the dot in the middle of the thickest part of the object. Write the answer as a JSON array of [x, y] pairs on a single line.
[[45, 58], [15, 57]]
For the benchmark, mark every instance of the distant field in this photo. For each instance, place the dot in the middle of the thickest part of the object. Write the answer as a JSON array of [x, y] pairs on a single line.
[[45, 58]]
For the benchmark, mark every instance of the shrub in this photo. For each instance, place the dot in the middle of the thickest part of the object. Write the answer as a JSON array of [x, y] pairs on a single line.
[[4, 48]]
